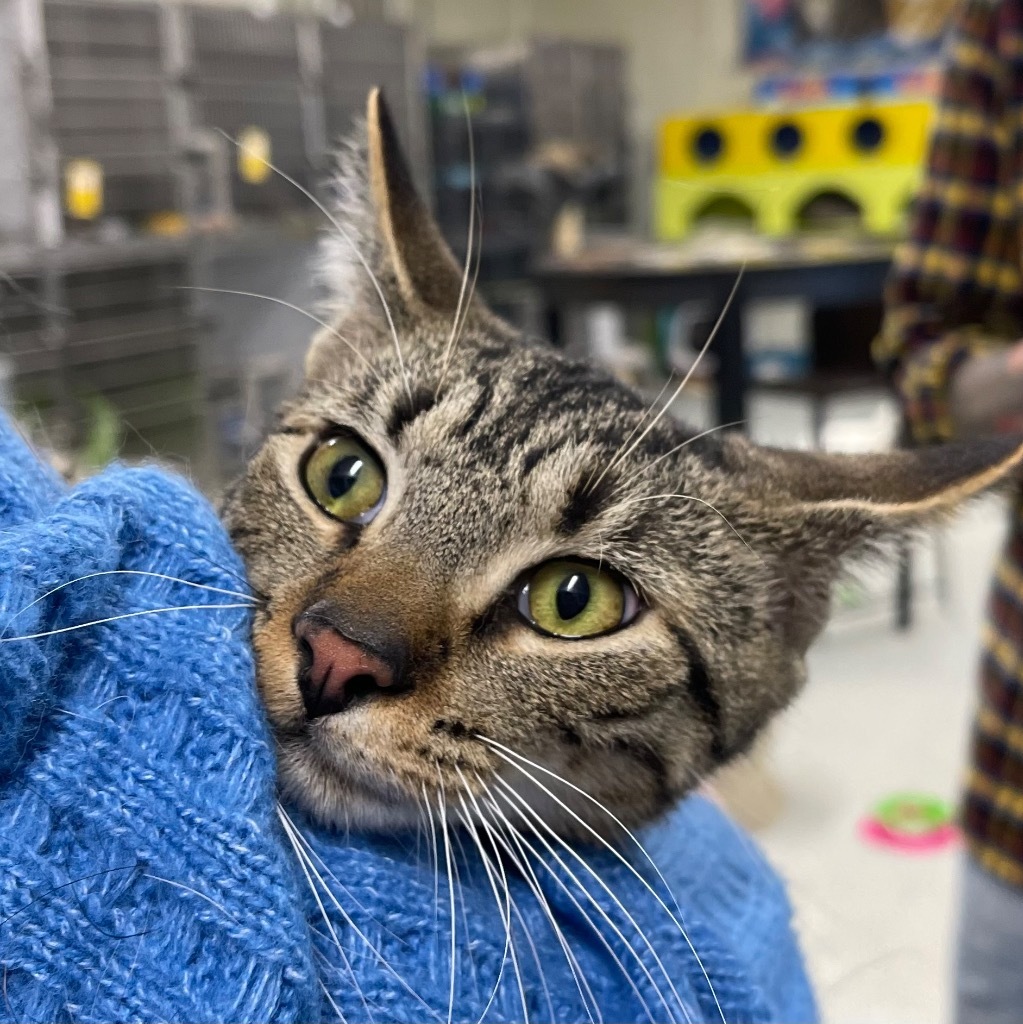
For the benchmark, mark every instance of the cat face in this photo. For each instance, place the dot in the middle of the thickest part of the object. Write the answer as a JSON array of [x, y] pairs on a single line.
[[484, 562]]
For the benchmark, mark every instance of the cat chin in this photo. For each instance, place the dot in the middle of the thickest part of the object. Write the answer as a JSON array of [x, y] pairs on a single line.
[[336, 796]]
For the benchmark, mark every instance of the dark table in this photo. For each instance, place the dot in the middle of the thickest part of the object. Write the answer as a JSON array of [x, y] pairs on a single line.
[[829, 274]]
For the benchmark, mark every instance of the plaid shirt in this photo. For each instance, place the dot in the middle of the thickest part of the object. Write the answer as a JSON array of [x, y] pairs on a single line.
[[957, 289]]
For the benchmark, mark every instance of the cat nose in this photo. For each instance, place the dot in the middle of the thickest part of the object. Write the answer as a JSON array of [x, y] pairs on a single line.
[[338, 670]]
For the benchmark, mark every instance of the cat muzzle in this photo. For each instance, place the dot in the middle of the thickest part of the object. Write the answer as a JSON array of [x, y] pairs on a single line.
[[339, 670]]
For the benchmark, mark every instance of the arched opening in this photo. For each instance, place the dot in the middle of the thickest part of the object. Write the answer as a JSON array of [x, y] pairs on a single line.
[[830, 210], [726, 210]]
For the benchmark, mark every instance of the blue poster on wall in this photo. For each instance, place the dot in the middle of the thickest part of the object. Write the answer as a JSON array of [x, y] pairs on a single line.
[[852, 35]]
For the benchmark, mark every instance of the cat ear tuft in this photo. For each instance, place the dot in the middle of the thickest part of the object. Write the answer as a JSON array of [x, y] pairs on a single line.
[[811, 512]]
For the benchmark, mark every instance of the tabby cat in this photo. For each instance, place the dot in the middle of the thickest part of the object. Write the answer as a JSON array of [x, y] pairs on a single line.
[[477, 554]]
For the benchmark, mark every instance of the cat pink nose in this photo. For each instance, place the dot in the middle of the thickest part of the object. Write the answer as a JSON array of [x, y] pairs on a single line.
[[337, 670]]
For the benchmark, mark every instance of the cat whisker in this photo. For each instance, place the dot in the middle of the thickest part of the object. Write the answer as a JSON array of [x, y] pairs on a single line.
[[253, 592], [622, 456], [691, 440], [521, 861], [699, 501], [128, 572], [349, 920], [72, 714], [330, 999], [287, 305], [632, 433], [496, 746], [541, 973], [309, 871], [195, 892], [520, 805], [476, 269], [110, 700], [509, 947], [310, 852], [456, 836], [495, 831], [653, 892], [436, 855], [503, 826], [451, 892], [336, 224], [469, 239], [118, 618], [505, 912], [571, 960]]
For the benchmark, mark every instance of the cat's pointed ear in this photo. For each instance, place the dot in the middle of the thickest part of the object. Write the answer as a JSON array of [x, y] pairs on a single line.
[[423, 266], [810, 512], [385, 265]]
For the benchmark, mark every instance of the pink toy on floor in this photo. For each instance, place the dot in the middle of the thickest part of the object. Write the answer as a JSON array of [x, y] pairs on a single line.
[[911, 823]]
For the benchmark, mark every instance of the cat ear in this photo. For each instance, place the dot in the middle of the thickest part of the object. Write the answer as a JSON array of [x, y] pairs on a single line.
[[385, 260], [810, 512], [426, 272]]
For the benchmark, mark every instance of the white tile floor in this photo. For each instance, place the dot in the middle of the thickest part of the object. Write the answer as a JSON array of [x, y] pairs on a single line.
[[883, 713]]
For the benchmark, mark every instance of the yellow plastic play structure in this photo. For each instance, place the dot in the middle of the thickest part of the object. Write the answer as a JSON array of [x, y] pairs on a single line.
[[774, 164]]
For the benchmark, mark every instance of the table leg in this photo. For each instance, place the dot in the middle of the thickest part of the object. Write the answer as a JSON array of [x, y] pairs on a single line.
[[553, 322], [904, 587], [731, 369]]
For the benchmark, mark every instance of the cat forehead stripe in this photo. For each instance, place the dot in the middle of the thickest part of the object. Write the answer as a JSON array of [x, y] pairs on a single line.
[[592, 494], [701, 690], [407, 409]]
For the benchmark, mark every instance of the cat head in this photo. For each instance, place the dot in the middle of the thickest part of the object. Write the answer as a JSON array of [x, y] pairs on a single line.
[[483, 561]]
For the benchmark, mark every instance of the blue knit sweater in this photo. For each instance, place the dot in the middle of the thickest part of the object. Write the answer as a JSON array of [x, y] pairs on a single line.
[[145, 873]]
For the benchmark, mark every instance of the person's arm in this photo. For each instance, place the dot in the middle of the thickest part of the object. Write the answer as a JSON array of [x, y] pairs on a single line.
[[986, 393], [955, 297]]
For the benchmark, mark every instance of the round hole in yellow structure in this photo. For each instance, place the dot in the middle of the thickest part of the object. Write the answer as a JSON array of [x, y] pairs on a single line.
[[708, 144]]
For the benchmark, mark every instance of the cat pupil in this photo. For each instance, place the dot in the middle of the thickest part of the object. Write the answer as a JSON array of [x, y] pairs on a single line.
[[344, 476], [573, 596]]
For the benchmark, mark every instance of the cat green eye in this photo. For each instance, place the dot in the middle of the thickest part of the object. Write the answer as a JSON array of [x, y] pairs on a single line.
[[345, 479], [574, 600]]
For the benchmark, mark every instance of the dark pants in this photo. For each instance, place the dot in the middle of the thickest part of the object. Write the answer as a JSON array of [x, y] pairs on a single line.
[[989, 969]]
